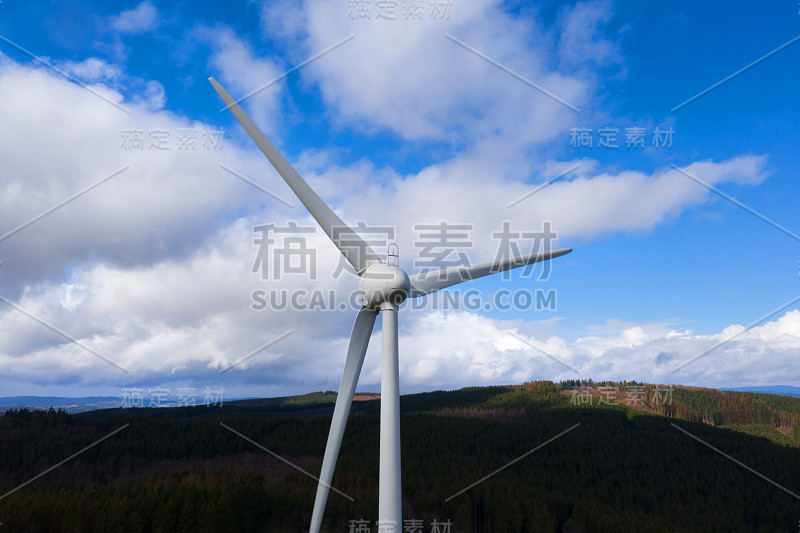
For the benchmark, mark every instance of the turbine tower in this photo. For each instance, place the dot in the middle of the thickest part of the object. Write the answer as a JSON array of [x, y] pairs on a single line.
[[383, 287]]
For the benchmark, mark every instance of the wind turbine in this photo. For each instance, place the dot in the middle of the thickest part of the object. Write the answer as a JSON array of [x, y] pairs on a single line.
[[383, 287]]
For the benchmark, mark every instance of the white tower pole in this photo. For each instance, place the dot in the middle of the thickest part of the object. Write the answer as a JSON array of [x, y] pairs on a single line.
[[390, 499]]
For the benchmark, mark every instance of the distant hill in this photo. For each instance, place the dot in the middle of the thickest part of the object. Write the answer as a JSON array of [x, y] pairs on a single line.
[[754, 410], [70, 405], [312, 398], [784, 390], [774, 416], [91, 403]]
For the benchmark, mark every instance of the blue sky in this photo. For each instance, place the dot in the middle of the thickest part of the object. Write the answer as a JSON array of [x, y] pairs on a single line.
[[398, 125]]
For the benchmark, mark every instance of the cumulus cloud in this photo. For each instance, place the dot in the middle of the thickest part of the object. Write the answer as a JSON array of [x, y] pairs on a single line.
[[453, 348], [61, 139], [405, 76], [242, 72], [154, 96], [582, 39], [592, 204], [92, 69], [189, 319], [141, 19]]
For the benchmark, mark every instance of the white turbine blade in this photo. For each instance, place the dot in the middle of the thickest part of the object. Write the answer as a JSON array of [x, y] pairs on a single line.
[[359, 339], [357, 252], [427, 283]]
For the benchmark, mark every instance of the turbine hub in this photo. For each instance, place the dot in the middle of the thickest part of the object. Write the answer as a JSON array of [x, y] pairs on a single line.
[[383, 285]]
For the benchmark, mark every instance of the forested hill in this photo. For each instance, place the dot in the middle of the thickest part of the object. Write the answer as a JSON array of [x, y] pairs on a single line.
[[768, 415], [574, 456]]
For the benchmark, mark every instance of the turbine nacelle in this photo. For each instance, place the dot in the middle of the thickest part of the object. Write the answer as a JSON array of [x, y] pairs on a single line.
[[383, 285]]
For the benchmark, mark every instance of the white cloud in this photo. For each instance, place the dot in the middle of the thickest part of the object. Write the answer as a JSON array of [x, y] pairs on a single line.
[[407, 77], [283, 19], [456, 348], [191, 318], [74, 295], [154, 96], [241, 71], [141, 19], [59, 139], [593, 204], [176, 319], [92, 69], [581, 39]]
